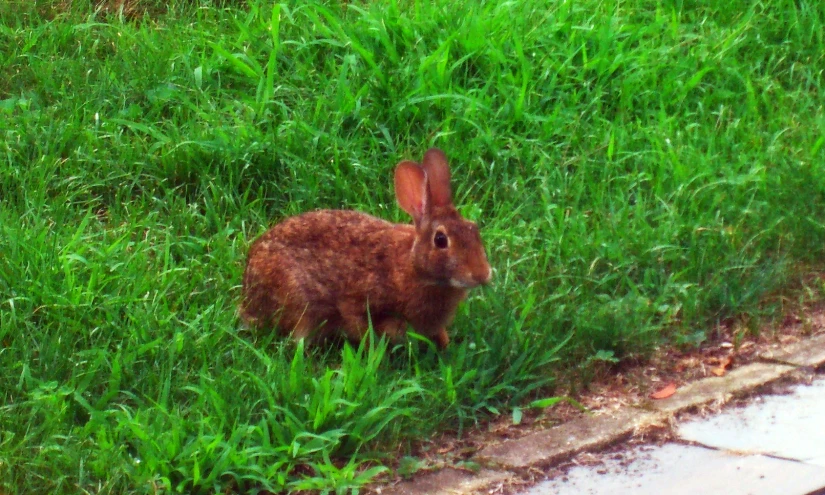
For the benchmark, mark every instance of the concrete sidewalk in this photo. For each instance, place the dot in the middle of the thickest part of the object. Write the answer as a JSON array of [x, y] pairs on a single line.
[[776, 444]]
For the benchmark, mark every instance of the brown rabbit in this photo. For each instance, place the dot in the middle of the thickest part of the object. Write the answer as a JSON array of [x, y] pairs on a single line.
[[341, 269]]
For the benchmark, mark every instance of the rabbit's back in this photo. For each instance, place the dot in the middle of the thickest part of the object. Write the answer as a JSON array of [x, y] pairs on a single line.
[[300, 270]]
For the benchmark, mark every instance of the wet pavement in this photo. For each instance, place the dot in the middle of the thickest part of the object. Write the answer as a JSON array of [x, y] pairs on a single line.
[[773, 445]]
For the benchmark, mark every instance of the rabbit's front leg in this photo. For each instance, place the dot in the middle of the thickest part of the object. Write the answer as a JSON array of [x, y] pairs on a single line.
[[441, 338]]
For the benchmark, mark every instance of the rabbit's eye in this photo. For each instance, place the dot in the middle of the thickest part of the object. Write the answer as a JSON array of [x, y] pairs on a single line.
[[440, 240]]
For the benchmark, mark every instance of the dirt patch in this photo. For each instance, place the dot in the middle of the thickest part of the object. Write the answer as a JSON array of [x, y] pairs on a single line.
[[631, 384]]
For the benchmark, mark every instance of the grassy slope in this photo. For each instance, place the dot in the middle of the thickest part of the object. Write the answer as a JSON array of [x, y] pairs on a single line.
[[639, 169]]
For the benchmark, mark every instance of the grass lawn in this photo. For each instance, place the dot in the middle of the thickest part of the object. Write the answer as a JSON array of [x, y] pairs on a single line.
[[639, 170]]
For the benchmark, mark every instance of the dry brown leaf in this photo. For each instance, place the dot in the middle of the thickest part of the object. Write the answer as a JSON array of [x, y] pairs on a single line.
[[724, 364], [665, 392]]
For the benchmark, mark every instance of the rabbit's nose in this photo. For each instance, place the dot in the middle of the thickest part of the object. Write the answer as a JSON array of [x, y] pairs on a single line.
[[485, 276]]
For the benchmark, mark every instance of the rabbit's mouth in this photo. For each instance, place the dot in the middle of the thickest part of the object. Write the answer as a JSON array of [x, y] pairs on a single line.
[[463, 284], [471, 280]]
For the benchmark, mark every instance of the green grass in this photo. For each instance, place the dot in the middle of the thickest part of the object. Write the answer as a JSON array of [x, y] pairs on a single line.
[[640, 170]]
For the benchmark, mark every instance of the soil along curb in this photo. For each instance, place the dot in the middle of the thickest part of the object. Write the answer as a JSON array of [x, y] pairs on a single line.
[[721, 389], [505, 460]]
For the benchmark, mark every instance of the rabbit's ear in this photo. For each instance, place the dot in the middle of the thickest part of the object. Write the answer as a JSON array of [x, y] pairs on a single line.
[[438, 177], [411, 189]]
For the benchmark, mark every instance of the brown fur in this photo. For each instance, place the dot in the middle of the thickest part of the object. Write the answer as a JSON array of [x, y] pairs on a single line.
[[337, 269]]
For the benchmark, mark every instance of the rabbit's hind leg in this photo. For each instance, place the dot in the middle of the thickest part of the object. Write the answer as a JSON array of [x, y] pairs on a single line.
[[354, 321], [393, 327], [297, 321]]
